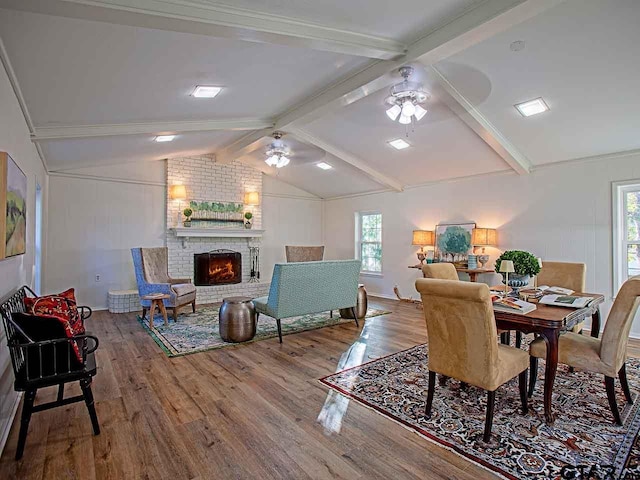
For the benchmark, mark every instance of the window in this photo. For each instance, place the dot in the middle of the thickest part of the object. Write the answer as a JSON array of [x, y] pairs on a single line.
[[626, 233], [369, 241]]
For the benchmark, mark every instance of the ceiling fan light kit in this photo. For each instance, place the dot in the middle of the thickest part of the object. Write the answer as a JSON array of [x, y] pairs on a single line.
[[278, 153], [405, 99]]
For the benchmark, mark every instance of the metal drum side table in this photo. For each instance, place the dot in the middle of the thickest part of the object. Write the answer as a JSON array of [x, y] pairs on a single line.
[[237, 319], [361, 305]]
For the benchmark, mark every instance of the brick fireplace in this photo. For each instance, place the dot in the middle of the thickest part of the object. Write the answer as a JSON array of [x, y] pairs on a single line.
[[205, 180]]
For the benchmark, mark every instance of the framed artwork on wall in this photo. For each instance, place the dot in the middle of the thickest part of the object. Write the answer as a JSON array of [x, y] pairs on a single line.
[[13, 208], [453, 242]]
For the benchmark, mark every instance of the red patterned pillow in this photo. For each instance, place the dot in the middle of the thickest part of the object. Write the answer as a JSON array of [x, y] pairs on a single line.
[[62, 306]]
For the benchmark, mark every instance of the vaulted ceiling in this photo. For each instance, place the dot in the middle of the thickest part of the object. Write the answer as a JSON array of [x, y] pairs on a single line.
[[99, 79]]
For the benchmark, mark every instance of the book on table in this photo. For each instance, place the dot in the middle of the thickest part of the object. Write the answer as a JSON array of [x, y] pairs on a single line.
[[512, 305], [570, 301], [545, 290]]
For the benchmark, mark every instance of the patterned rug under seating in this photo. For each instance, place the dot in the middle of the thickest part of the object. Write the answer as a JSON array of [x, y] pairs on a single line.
[[197, 332], [523, 446]]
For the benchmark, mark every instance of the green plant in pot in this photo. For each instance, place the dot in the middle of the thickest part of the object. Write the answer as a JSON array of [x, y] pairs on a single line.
[[187, 212], [524, 264], [248, 222]]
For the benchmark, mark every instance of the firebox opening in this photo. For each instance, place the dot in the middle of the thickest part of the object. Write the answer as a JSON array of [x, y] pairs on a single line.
[[217, 267]]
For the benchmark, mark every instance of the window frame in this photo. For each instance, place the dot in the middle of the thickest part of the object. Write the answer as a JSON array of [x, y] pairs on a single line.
[[359, 242], [620, 238]]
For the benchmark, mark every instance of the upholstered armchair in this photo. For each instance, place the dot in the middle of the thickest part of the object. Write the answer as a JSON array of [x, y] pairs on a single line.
[[152, 275], [304, 254], [461, 331], [606, 356], [442, 271], [565, 275]]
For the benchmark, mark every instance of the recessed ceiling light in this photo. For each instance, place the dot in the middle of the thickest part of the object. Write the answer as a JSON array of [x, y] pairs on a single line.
[[206, 91], [532, 107], [164, 138], [324, 166], [399, 144]]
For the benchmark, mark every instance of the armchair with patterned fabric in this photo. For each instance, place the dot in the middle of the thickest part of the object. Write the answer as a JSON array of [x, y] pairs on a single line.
[[152, 275]]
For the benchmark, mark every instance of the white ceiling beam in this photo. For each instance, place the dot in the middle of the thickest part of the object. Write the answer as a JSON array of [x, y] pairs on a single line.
[[243, 146], [487, 19], [470, 115], [349, 158], [154, 128], [217, 21]]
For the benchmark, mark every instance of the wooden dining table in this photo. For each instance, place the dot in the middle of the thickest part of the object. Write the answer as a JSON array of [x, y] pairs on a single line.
[[550, 322]]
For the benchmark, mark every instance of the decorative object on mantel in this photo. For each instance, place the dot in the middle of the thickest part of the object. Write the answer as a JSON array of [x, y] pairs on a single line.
[[453, 242], [187, 213], [179, 193], [248, 222], [13, 208], [254, 260], [198, 332], [524, 265], [483, 237], [221, 214], [424, 238]]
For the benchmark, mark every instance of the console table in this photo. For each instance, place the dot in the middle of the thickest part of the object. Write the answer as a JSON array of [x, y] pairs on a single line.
[[472, 272]]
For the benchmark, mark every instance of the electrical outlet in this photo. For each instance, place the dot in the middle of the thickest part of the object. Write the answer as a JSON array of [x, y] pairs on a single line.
[[98, 278]]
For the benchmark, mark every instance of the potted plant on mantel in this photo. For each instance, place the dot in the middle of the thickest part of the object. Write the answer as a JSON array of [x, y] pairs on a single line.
[[187, 213], [247, 220], [524, 264]]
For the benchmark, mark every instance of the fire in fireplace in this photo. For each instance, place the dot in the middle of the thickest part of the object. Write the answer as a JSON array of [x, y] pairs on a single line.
[[217, 267]]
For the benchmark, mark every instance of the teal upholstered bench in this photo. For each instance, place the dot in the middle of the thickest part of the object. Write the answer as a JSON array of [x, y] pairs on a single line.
[[310, 287]]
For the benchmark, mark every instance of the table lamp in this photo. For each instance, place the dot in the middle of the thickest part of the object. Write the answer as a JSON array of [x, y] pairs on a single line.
[[178, 192], [484, 237], [423, 238], [506, 267]]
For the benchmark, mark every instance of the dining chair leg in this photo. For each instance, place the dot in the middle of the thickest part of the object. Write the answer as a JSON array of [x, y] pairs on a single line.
[[27, 410], [432, 386], [522, 384], [488, 421], [279, 329], [609, 383], [622, 375], [355, 316], [533, 374], [518, 339]]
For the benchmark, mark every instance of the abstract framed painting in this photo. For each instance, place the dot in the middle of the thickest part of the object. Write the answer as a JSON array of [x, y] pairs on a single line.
[[13, 208], [453, 242]]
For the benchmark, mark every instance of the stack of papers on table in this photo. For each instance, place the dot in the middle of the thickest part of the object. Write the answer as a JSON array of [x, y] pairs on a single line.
[[566, 301], [512, 305], [545, 290]]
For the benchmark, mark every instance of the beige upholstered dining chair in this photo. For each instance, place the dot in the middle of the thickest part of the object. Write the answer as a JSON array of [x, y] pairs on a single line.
[[565, 275], [442, 271], [606, 356], [461, 331], [304, 254]]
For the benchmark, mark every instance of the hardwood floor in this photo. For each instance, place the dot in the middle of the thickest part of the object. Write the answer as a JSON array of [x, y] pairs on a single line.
[[249, 411]]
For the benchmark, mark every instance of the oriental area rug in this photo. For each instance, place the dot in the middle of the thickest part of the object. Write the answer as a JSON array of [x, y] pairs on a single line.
[[583, 443], [197, 332]]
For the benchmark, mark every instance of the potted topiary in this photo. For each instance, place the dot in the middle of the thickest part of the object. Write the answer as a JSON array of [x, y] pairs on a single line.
[[187, 213], [524, 264], [247, 220]]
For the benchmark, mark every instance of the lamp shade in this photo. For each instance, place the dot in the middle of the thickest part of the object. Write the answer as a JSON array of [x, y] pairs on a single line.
[[506, 266], [251, 198], [177, 192], [484, 237], [423, 238]]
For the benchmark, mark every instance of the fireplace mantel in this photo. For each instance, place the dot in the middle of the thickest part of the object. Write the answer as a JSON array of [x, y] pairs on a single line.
[[191, 232]]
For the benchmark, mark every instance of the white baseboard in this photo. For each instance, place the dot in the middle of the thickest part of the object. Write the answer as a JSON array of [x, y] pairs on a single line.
[[7, 427], [382, 295]]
